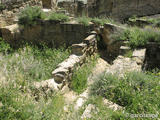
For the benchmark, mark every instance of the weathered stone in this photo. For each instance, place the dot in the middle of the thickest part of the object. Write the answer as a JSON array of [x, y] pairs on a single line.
[[60, 74], [139, 56], [124, 49], [121, 9], [90, 109], [49, 84], [122, 65], [112, 105], [10, 33], [89, 39], [79, 49]]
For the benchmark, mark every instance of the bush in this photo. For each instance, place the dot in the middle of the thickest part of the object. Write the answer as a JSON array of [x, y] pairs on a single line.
[[58, 17], [80, 76], [30, 15], [137, 92]]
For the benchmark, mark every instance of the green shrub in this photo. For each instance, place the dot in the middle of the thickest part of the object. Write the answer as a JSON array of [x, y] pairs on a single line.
[[4, 47], [84, 20], [137, 92], [30, 15], [139, 37], [2, 7], [81, 74], [58, 17]]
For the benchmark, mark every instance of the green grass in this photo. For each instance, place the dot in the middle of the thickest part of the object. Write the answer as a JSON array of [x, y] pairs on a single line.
[[84, 20], [138, 92], [58, 16], [30, 15], [97, 21], [139, 37], [81, 74], [102, 21], [33, 63], [19, 69]]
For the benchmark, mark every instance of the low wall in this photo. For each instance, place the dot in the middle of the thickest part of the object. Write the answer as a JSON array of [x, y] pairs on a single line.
[[52, 33], [63, 73]]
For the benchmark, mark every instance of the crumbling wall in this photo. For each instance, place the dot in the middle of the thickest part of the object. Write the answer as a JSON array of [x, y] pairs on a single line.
[[122, 9]]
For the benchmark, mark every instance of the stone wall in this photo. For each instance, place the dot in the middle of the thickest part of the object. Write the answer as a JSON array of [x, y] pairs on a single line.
[[122, 9], [63, 73], [152, 56], [52, 33], [74, 8]]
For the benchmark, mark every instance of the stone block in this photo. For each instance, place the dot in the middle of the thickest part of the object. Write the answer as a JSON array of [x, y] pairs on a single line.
[[79, 49]]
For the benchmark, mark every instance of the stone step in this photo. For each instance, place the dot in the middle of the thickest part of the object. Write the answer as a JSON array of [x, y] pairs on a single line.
[[125, 43], [124, 49]]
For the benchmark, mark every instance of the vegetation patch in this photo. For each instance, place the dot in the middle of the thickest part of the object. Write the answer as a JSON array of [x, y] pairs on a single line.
[[19, 69], [102, 21], [139, 37], [84, 20], [30, 62], [138, 92], [58, 17], [81, 74], [30, 15]]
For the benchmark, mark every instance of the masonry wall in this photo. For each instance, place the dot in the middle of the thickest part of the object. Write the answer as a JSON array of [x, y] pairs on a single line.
[[52, 33], [122, 9]]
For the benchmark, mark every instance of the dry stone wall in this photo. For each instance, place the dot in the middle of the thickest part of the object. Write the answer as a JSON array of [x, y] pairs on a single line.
[[63, 73]]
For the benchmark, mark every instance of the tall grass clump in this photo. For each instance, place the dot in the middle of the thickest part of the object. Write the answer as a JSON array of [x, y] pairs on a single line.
[[138, 92], [58, 17], [84, 20], [30, 15], [81, 74]]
